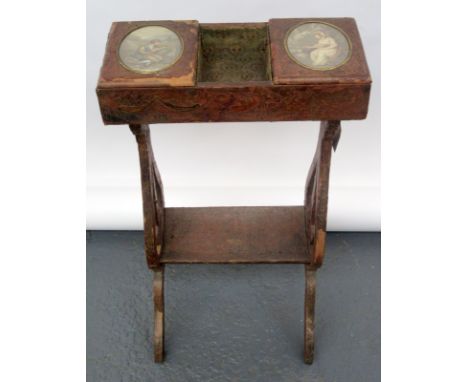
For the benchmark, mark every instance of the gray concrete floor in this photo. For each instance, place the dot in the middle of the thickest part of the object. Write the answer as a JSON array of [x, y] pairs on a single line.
[[233, 322]]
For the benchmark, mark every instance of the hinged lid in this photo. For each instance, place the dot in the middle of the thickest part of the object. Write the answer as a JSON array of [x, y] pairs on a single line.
[[150, 53], [317, 51]]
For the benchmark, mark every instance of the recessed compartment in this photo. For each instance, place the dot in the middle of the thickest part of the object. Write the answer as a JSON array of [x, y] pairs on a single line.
[[234, 53]]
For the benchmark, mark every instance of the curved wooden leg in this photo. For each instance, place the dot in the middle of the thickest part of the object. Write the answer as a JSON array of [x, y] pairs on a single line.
[[316, 191], [158, 298], [153, 196], [309, 314]]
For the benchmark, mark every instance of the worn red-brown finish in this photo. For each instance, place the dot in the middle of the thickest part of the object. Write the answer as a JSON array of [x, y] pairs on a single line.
[[191, 91]]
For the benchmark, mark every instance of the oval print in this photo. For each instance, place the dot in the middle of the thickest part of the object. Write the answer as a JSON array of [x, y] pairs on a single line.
[[318, 46], [150, 49]]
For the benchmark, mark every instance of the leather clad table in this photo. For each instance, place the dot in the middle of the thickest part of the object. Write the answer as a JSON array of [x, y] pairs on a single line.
[[283, 70]]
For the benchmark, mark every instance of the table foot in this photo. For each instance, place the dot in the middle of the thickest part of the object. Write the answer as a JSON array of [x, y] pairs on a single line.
[[158, 298], [309, 314]]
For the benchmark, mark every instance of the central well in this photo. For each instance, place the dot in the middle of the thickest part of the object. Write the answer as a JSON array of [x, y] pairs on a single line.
[[234, 53]]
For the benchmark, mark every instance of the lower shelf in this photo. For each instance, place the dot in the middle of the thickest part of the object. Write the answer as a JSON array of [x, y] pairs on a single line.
[[237, 235]]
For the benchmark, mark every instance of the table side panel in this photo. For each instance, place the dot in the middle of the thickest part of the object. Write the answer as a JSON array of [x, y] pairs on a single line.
[[234, 103]]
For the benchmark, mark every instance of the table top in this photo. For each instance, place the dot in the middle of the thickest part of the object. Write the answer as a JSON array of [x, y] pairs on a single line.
[[317, 63], [303, 51]]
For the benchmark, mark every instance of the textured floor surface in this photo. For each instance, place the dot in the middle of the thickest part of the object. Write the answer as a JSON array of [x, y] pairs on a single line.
[[233, 322]]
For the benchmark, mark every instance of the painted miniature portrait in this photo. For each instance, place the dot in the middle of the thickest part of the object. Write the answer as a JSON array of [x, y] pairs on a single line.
[[150, 49], [318, 46]]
